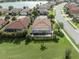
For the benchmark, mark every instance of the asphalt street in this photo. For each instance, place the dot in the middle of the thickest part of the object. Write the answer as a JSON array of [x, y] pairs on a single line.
[[73, 33]]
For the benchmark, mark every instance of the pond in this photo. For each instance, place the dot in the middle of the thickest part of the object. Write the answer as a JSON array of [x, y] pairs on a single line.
[[30, 4]]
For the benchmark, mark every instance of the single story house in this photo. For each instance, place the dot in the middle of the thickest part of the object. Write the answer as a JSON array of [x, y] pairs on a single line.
[[3, 10], [19, 25], [43, 9], [15, 11], [73, 10], [25, 12], [41, 27]]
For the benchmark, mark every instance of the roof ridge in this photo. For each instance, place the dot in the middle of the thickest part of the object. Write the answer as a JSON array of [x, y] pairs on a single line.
[[41, 21]]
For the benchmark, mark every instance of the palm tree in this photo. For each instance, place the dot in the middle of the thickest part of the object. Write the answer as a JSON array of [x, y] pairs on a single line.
[[43, 47], [24, 7], [14, 18], [34, 13], [7, 17], [68, 54], [28, 39]]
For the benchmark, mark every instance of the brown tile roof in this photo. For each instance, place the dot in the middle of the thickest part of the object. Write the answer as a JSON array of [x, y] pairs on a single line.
[[22, 23], [41, 22], [73, 8]]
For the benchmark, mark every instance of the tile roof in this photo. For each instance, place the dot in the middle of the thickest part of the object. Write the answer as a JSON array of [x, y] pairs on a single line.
[[22, 23], [73, 8], [15, 10], [25, 10], [41, 22], [3, 10]]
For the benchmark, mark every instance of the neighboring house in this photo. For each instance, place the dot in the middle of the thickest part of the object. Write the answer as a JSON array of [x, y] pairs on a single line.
[[4, 11], [2, 22], [15, 10], [20, 25], [25, 12], [43, 9], [77, 1], [41, 27], [73, 10]]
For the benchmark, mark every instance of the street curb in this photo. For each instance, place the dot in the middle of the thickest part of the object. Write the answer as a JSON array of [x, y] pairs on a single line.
[[76, 48]]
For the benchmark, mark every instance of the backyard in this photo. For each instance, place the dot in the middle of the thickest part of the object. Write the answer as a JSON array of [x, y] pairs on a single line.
[[54, 50]]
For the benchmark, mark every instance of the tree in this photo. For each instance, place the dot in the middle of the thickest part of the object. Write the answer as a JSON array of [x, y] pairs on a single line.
[[28, 39], [24, 7], [57, 27], [7, 17], [14, 18], [10, 7], [68, 54], [35, 12], [0, 13], [66, 10], [51, 13], [61, 25], [52, 21], [55, 37], [43, 47]]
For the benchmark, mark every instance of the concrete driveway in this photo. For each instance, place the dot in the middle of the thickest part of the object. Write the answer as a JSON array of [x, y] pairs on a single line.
[[73, 33]]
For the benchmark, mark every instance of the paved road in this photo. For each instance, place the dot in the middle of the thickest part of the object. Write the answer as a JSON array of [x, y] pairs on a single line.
[[67, 27]]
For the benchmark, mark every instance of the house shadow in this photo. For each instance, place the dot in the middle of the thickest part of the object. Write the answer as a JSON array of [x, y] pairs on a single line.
[[46, 41], [11, 40]]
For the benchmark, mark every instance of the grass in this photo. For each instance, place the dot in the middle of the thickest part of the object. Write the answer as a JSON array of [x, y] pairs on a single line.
[[30, 29], [32, 50], [76, 24], [72, 24]]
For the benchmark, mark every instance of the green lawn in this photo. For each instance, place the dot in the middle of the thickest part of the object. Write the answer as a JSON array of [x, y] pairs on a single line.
[[32, 50], [76, 24]]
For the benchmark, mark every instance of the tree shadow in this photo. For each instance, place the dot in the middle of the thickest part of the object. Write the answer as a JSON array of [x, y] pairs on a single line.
[[42, 48], [27, 41]]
